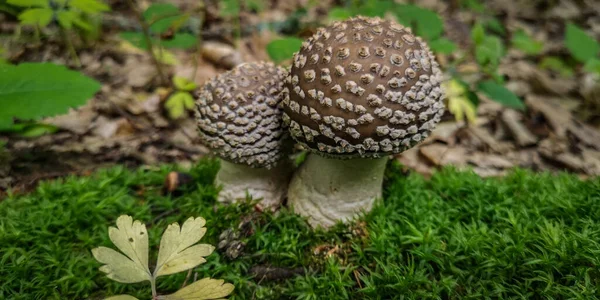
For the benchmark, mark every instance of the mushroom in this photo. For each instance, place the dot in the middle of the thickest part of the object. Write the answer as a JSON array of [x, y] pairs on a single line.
[[359, 91], [238, 115]]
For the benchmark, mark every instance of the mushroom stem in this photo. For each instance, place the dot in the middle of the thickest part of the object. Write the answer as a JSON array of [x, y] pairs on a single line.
[[329, 190], [239, 180]]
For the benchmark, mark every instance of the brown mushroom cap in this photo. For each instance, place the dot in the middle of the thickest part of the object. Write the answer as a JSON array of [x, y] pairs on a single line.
[[239, 114], [363, 87]]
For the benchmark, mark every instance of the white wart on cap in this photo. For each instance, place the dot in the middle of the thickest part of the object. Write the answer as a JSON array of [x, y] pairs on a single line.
[[239, 114], [364, 87]]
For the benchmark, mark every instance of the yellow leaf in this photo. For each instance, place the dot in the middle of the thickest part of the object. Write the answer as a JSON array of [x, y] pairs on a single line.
[[176, 252], [205, 288], [128, 47], [132, 239], [458, 103], [121, 297], [165, 57]]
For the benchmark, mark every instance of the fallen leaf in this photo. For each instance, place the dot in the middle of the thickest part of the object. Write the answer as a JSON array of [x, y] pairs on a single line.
[[520, 133], [221, 54], [121, 297], [176, 252]]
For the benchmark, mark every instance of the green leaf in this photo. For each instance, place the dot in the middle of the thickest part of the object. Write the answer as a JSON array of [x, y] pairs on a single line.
[[184, 84], [525, 43], [180, 41], [283, 49], [500, 94], [478, 34], [121, 297], [205, 288], [582, 46], [374, 8], [489, 51], [161, 16], [34, 90], [135, 38], [37, 129], [36, 16], [424, 22], [229, 8], [442, 45], [131, 237], [89, 6], [177, 104], [339, 13], [494, 25], [592, 66], [65, 18], [29, 3], [177, 250], [556, 64], [255, 5]]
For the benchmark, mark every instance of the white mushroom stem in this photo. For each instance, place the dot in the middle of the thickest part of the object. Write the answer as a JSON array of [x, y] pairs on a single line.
[[238, 181], [327, 190]]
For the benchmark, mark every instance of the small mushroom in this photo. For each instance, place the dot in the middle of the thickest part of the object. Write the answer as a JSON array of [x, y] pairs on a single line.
[[239, 118], [358, 91]]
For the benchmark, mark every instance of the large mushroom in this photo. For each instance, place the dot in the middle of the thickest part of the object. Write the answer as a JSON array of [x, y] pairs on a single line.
[[239, 118], [359, 91]]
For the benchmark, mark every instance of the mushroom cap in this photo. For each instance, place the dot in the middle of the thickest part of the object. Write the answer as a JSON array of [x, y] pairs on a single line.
[[364, 87], [239, 114]]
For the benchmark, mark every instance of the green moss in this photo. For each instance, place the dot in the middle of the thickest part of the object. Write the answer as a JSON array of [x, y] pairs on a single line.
[[455, 236]]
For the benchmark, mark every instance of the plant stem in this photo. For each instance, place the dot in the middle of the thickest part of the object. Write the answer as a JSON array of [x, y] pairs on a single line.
[[153, 285], [146, 32], [69, 44]]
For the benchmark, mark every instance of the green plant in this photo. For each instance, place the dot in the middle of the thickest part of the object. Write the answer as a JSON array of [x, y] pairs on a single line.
[[29, 91], [181, 100], [584, 48], [178, 252], [280, 50], [67, 14], [522, 41]]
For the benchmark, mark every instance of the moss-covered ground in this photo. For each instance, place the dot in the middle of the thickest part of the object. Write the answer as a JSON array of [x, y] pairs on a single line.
[[454, 236]]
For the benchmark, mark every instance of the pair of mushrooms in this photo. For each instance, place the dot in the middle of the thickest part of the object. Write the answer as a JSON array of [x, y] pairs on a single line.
[[358, 91]]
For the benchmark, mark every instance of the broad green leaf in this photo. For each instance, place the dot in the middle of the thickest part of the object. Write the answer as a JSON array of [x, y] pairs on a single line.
[[283, 49], [89, 6], [374, 8], [65, 18], [458, 102], [135, 38], [36, 16], [478, 34], [121, 297], [500, 94], [489, 51], [161, 16], [131, 237], [205, 288], [184, 84], [442, 45], [424, 22], [525, 43], [29, 3], [582, 46], [556, 64], [494, 25], [33, 90], [180, 41], [592, 66], [177, 250], [339, 13]]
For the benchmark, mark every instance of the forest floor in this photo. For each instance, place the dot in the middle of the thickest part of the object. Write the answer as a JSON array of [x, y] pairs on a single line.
[[126, 122]]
